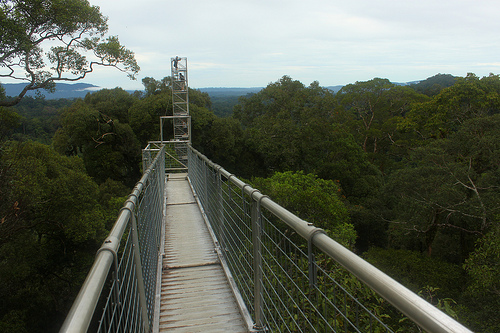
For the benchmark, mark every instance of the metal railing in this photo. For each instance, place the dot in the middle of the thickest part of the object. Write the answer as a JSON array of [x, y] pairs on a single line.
[[120, 291], [291, 276], [175, 154]]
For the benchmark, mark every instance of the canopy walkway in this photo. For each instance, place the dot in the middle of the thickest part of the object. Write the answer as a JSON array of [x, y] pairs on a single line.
[[195, 295], [195, 249], [204, 252]]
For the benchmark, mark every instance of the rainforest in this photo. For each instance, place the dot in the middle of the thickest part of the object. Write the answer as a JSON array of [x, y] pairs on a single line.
[[413, 172]]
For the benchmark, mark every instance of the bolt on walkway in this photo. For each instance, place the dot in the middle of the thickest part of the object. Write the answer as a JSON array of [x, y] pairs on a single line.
[[195, 294]]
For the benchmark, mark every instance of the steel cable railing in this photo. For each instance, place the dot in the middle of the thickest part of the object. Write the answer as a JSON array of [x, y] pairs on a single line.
[[291, 276], [123, 278]]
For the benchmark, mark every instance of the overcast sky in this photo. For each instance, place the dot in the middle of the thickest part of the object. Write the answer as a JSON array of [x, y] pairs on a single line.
[[250, 43]]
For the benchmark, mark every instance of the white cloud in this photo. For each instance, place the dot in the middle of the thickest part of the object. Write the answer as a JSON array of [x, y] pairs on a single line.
[[254, 42]]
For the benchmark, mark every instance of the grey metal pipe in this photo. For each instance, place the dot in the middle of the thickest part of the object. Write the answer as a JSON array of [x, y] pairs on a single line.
[[80, 315], [427, 316], [416, 308], [82, 310]]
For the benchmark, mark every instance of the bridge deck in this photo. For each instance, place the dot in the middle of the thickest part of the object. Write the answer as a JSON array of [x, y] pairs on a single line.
[[195, 295]]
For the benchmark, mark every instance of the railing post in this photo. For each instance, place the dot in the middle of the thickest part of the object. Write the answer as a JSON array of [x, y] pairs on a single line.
[[146, 159], [257, 263], [138, 273], [205, 190], [220, 205], [311, 264]]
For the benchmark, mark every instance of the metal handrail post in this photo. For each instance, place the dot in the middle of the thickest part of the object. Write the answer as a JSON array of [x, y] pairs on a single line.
[[205, 191], [138, 272], [220, 205], [257, 263]]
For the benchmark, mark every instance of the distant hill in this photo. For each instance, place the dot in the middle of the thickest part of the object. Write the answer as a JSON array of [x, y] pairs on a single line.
[[63, 90], [217, 92], [334, 89], [428, 86], [434, 84]]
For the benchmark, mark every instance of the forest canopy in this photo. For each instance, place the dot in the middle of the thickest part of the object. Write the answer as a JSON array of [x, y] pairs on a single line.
[[389, 171]]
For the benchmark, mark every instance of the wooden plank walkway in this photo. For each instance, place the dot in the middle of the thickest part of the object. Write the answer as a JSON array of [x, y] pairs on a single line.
[[195, 295]]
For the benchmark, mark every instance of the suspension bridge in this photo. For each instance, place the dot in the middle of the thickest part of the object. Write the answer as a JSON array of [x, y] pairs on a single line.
[[195, 249]]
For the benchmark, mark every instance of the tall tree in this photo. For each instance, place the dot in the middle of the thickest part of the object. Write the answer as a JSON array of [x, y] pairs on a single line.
[[314, 199], [51, 226], [109, 148], [293, 127], [448, 194], [112, 102], [470, 97], [71, 28], [483, 292], [433, 85], [372, 110]]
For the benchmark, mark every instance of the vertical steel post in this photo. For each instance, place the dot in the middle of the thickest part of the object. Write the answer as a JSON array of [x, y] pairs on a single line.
[[146, 159], [205, 190], [257, 263], [220, 206], [161, 129], [311, 264], [138, 272]]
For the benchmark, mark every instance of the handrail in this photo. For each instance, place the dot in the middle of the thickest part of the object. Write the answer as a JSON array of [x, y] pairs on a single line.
[[416, 308], [83, 308]]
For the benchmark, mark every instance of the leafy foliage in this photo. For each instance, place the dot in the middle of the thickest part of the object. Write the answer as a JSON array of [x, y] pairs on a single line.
[[470, 97], [418, 271], [481, 299], [114, 103], [51, 227], [316, 200], [72, 29], [449, 190], [410, 180], [109, 148]]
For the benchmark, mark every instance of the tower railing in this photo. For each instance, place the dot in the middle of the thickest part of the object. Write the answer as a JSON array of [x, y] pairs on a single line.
[[291, 276], [119, 293]]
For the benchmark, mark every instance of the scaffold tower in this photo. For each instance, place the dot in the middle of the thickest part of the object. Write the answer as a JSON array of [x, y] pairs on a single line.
[[180, 99], [180, 115]]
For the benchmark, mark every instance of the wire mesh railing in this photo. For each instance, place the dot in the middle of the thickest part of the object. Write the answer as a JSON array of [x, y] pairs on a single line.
[[119, 293], [175, 154], [291, 276]]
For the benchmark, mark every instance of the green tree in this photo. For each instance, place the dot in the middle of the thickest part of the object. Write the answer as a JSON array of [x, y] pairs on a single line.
[[372, 110], [277, 117], [71, 28], [153, 86], [114, 103], [313, 199], [9, 121], [144, 116], [225, 142], [109, 148], [470, 97], [483, 265], [449, 191], [482, 297], [51, 226], [293, 127]]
